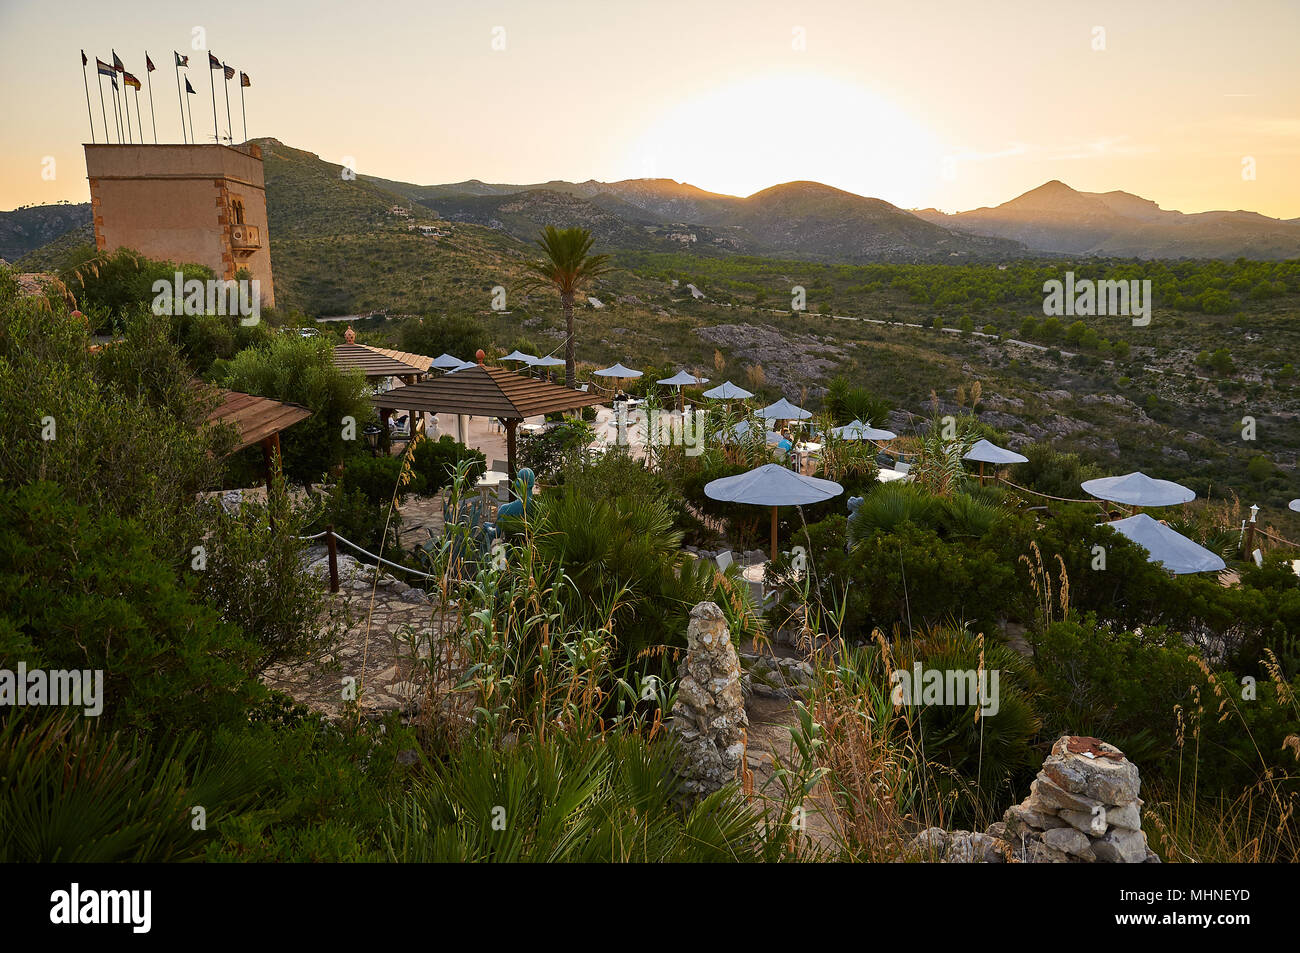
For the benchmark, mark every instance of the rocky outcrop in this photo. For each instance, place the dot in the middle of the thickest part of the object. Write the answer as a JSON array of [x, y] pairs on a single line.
[[1082, 808], [708, 716]]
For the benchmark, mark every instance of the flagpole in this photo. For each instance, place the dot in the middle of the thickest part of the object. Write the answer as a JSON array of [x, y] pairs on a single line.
[[139, 123], [242, 112], [225, 84], [180, 99], [153, 117], [117, 112], [216, 134], [99, 81], [126, 108], [189, 110], [86, 85]]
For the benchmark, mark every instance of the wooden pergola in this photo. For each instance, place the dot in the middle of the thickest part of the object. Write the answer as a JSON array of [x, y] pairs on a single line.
[[373, 363], [486, 392], [377, 363], [258, 420]]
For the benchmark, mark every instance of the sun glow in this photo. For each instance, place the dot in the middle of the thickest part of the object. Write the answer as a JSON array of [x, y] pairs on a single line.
[[783, 126]]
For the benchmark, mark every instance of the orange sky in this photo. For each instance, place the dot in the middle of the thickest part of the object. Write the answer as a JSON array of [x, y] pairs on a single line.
[[926, 103]]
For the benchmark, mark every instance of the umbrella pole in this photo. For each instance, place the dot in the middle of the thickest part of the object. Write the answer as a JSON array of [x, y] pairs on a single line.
[[774, 534]]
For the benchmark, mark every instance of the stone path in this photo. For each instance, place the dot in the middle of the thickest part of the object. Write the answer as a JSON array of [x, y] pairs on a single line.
[[384, 665]]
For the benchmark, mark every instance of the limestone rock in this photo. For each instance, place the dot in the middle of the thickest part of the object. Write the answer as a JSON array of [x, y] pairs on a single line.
[[1093, 769], [1121, 846], [708, 716]]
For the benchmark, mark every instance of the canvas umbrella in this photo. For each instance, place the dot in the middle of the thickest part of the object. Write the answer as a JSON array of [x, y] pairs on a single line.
[[1138, 489], [728, 391], [1172, 550], [445, 362], [741, 429], [547, 361], [772, 485], [783, 410], [984, 452], [860, 431], [1294, 505], [518, 355], [461, 366], [682, 379], [620, 373]]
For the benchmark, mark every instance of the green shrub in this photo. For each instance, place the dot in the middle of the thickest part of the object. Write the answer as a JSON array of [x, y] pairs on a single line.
[[84, 589], [435, 460], [302, 370]]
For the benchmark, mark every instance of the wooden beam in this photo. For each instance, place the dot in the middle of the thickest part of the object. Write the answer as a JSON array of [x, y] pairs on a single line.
[[511, 423], [774, 534]]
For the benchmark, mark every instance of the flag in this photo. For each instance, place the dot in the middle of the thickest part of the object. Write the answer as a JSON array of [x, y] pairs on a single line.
[[181, 60], [188, 87], [130, 80], [230, 71], [213, 62], [148, 63], [103, 68], [84, 61], [244, 80], [117, 63], [114, 81]]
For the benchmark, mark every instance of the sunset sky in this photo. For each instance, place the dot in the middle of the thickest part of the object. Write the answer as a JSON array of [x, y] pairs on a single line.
[[946, 103]]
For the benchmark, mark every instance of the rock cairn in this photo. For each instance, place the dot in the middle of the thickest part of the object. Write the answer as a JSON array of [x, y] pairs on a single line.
[[708, 716], [1082, 808]]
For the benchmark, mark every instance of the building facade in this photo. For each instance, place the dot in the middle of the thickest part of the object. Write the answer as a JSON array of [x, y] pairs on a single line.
[[201, 204]]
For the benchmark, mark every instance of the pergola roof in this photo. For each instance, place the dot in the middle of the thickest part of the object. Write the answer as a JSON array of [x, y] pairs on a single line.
[[372, 362], [406, 357], [486, 392], [256, 418]]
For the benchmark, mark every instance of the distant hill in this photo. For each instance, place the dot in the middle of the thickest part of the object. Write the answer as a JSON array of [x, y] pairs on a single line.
[[1056, 218], [26, 229], [797, 219]]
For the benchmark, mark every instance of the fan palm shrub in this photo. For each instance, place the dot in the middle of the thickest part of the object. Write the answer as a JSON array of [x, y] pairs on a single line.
[[73, 792], [570, 798]]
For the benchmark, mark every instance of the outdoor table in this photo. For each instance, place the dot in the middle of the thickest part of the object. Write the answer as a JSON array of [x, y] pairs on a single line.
[[488, 483]]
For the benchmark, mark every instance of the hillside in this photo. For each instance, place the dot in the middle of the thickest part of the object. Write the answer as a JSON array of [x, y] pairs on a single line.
[[26, 229], [1057, 218], [797, 219]]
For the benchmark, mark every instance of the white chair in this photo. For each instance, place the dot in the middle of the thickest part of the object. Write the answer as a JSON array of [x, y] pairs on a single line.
[[725, 559]]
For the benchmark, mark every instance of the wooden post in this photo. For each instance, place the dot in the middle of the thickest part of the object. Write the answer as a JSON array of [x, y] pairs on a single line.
[[332, 545], [385, 443], [271, 462], [774, 534], [1250, 539], [511, 424], [981, 473]]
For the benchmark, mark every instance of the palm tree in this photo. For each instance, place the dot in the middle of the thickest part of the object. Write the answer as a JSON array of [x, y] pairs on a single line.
[[568, 266]]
